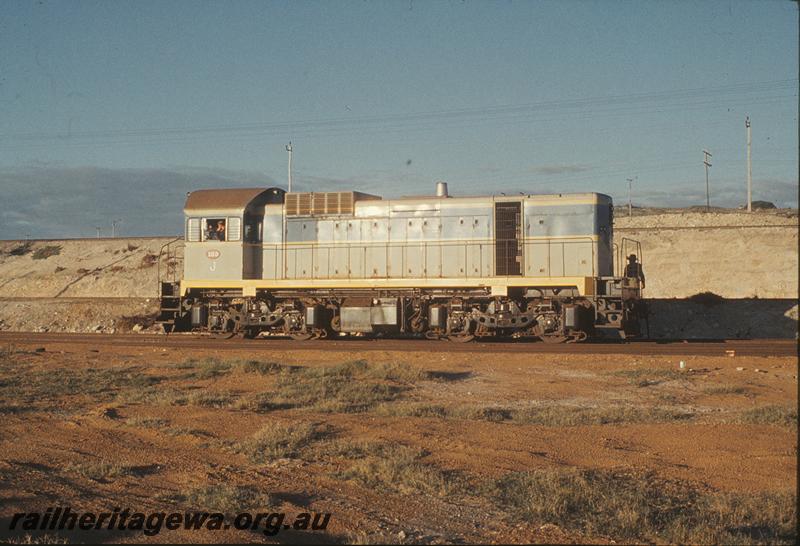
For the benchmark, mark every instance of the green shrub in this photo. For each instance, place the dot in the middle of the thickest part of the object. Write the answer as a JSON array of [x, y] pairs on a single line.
[[42, 253]]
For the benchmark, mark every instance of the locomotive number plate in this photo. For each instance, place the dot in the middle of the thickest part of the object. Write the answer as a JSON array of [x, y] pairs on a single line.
[[212, 254]]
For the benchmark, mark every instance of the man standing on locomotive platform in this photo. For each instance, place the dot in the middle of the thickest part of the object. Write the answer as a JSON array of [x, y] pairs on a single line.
[[634, 270], [637, 307]]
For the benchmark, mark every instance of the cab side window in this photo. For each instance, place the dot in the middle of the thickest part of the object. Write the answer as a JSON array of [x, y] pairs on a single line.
[[252, 229], [215, 229]]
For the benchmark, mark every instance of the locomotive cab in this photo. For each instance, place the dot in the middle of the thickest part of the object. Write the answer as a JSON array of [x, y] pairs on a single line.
[[224, 231]]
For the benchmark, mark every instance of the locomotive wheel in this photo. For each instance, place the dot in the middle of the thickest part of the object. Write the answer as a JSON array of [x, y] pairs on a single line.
[[301, 336], [418, 325], [578, 337], [461, 338], [553, 339], [249, 333]]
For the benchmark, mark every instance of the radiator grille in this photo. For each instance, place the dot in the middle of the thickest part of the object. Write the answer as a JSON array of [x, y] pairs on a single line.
[[508, 251], [324, 203]]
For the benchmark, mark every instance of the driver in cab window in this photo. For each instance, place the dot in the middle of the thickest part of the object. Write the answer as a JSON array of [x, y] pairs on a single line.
[[215, 231]]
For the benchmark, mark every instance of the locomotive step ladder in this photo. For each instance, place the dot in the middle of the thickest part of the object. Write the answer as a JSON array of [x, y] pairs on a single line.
[[169, 310], [169, 288]]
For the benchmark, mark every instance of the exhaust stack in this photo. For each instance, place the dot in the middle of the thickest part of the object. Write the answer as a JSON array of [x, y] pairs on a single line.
[[441, 189]]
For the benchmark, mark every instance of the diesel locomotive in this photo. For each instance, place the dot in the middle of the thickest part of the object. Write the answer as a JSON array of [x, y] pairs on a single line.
[[263, 262]]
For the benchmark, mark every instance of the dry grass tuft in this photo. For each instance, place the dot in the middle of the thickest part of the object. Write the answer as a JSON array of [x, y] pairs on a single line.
[[550, 416], [227, 499], [396, 468], [278, 440], [99, 470], [262, 368], [206, 368], [210, 399], [348, 387], [257, 402], [412, 409], [558, 416], [188, 431], [154, 395], [483, 413], [726, 389], [770, 415], [146, 422], [644, 508], [96, 385], [646, 377]]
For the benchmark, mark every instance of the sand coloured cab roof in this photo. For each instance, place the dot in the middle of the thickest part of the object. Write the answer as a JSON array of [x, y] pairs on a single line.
[[231, 199]]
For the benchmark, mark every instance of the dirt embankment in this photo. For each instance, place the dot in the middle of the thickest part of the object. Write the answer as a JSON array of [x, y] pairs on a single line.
[[80, 268], [734, 254], [79, 285], [750, 260]]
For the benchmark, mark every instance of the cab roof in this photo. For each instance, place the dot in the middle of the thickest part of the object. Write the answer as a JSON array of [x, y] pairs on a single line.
[[235, 199]]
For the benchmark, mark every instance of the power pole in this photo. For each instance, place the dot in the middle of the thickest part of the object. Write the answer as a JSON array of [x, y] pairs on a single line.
[[98, 231], [114, 224], [630, 209], [630, 206], [749, 169], [289, 149], [707, 164]]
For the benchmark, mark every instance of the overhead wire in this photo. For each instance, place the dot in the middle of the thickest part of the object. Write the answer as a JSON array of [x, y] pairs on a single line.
[[629, 102]]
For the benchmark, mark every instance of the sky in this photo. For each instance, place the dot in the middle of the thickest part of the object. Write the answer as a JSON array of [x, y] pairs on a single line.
[[112, 111]]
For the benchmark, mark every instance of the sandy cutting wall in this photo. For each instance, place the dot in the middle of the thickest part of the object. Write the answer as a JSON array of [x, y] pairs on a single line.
[[751, 260], [94, 268], [734, 255]]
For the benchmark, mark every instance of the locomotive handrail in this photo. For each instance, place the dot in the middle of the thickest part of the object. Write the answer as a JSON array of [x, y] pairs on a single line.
[[626, 243], [158, 263]]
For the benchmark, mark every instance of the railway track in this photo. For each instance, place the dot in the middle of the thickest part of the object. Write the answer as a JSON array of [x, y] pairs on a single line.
[[761, 347]]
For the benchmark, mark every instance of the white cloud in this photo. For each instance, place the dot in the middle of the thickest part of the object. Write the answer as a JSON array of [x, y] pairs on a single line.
[[559, 169], [52, 202], [722, 194]]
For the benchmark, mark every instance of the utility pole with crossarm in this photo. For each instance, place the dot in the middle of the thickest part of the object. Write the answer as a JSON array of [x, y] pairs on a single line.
[[707, 164]]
